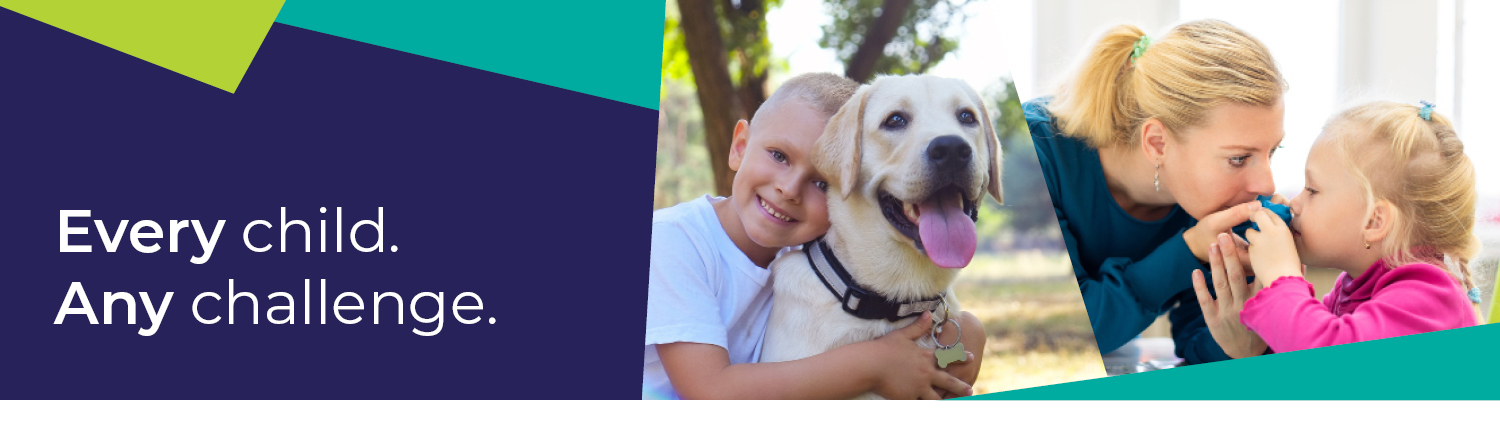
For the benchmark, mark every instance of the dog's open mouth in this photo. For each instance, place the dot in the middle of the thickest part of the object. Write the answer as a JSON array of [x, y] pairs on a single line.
[[941, 226]]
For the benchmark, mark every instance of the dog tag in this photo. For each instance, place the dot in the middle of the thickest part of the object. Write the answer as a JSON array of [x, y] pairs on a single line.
[[950, 355]]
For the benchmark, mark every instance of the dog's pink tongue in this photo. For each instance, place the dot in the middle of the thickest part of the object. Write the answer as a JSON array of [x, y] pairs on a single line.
[[947, 233]]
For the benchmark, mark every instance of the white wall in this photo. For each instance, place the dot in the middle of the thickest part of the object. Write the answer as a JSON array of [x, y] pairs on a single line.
[[1065, 27], [1388, 49]]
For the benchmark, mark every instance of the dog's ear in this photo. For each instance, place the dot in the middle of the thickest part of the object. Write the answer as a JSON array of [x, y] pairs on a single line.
[[991, 144], [838, 150]]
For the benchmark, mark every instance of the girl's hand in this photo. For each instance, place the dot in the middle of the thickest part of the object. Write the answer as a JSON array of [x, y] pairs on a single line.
[[1272, 250], [1223, 314], [907, 371], [1277, 198]]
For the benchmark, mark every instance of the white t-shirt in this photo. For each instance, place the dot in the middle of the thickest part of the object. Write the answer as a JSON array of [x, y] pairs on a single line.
[[703, 289]]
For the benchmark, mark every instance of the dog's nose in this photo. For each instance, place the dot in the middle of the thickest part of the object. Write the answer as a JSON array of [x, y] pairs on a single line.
[[949, 151]]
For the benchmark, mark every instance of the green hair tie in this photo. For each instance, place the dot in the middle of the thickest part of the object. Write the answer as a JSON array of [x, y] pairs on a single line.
[[1140, 48]]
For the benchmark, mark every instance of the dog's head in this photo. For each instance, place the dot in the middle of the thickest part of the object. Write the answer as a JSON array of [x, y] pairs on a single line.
[[913, 156]]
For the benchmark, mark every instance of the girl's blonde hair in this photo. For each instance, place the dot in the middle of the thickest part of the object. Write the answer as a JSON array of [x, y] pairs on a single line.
[[1193, 67], [1419, 166]]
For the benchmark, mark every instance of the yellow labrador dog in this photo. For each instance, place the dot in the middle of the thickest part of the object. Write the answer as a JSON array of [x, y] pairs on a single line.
[[908, 160]]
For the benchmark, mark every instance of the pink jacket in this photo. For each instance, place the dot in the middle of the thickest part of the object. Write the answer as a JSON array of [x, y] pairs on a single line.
[[1382, 303]]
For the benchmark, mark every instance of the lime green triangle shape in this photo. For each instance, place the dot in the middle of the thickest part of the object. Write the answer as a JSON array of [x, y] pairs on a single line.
[[209, 41]]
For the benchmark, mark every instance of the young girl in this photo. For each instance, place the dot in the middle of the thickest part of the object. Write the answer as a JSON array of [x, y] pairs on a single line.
[[1390, 200]]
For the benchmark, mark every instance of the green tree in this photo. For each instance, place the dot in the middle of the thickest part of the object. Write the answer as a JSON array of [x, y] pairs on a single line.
[[1027, 200], [728, 53], [722, 48], [891, 36]]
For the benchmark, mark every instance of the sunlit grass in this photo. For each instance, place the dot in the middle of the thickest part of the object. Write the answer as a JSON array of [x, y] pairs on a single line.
[[1038, 330], [1016, 266]]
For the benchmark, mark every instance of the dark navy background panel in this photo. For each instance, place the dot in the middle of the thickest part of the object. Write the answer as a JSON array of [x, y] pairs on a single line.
[[533, 197]]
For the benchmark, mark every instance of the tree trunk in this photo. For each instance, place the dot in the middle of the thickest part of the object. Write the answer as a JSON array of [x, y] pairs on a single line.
[[716, 91], [862, 65], [752, 90]]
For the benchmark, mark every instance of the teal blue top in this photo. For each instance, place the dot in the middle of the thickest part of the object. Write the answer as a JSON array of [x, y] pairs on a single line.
[[1129, 271]]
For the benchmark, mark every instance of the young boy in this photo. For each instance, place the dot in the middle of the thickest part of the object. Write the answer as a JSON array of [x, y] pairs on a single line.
[[709, 297]]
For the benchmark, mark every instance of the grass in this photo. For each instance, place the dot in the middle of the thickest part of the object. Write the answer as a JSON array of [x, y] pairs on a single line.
[[1038, 330]]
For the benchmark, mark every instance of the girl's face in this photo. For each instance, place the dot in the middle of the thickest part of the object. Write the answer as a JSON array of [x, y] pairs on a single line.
[[1224, 162], [1328, 216]]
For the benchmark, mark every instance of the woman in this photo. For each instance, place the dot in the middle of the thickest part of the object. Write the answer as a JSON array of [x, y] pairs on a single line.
[[1150, 149]]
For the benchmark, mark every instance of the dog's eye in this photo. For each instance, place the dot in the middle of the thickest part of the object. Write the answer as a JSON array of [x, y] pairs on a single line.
[[895, 121], [966, 117]]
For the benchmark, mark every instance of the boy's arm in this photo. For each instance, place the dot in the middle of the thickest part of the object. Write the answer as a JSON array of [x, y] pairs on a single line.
[[892, 366]]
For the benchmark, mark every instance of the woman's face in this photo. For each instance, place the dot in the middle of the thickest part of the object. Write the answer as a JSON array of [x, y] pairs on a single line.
[[1224, 162]]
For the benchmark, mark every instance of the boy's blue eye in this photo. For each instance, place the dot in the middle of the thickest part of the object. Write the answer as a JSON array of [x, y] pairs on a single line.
[[823, 186], [778, 156], [1238, 160]]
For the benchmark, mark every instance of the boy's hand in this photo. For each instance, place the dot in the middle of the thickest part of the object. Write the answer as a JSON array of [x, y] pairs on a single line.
[[907, 371], [1273, 253], [1223, 314], [974, 339]]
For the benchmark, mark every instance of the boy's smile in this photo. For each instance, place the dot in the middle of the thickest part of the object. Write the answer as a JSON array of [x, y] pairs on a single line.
[[776, 213]]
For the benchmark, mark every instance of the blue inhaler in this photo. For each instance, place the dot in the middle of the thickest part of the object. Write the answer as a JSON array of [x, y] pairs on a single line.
[[1282, 211]]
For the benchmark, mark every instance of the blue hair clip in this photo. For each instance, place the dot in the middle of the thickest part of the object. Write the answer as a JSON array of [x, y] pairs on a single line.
[[1474, 295], [1426, 111]]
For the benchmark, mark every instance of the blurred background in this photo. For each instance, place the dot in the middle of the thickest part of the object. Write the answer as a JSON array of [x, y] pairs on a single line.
[[721, 59], [1333, 53]]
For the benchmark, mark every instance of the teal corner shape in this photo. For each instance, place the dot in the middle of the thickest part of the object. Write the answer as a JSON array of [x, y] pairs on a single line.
[[606, 49], [1445, 365]]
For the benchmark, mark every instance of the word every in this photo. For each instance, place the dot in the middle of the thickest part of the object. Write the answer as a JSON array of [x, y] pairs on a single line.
[[144, 233]]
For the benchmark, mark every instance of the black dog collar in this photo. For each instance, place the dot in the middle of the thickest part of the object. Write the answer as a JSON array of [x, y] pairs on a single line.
[[856, 300]]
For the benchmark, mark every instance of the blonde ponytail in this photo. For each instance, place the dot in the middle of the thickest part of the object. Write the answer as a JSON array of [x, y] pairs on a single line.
[[1419, 166], [1193, 67]]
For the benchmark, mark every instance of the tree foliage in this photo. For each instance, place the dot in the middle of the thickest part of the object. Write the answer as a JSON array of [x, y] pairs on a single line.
[[910, 45], [721, 50], [1029, 205]]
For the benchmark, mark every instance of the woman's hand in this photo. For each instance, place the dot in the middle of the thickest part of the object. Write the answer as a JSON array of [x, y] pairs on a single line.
[[1203, 234], [1223, 314], [1273, 253], [907, 371]]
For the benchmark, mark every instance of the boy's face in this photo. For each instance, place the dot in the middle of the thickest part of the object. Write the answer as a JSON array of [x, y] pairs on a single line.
[[777, 193], [1329, 213]]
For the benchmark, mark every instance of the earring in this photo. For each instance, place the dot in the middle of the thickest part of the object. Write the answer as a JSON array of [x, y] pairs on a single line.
[[1157, 180], [1367, 244]]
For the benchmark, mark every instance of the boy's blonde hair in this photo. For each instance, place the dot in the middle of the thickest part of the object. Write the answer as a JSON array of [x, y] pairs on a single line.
[[824, 91], [1176, 79], [1419, 166]]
